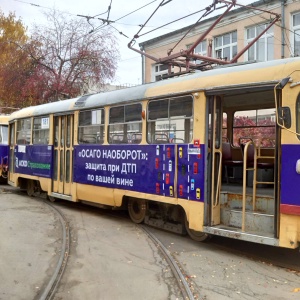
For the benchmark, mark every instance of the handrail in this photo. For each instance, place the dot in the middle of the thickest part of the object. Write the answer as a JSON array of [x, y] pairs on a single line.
[[245, 169], [257, 156], [217, 195]]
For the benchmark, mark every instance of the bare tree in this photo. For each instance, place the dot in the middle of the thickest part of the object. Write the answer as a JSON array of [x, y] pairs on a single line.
[[69, 59]]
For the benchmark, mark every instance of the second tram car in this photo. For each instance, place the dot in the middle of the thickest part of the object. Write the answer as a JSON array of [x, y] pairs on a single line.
[[213, 153], [3, 147]]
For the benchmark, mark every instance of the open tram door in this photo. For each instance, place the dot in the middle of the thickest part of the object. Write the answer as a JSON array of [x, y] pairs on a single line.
[[63, 156], [214, 173], [243, 203]]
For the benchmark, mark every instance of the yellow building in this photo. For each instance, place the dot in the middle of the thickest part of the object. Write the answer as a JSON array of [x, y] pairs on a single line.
[[228, 37]]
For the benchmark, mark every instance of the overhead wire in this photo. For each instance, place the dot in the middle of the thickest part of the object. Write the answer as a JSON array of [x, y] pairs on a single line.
[[280, 26], [159, 27], [289, 46], [108, 22], [105, 22], [135, 10], [208, 11], [108, 11], [289, 43], [37, 5]]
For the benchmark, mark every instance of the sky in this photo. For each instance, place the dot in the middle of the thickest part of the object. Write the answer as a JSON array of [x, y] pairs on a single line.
[[128, 14]]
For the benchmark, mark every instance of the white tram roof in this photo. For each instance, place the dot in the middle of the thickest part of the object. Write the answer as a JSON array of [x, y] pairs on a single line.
[[228, 76]]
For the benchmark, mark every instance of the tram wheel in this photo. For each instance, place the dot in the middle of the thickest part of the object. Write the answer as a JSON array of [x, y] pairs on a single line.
[[30, 188], [137, 210], [197, 236]]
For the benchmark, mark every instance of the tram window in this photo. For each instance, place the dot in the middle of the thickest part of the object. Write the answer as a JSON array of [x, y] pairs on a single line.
[[56, 131], [41, 130], [170, 120], [181, 107], [255, 125], [158, 109], [298, 116], [125, 124], [4, 134], [224, 128], [24, 131], [12, 134], [69, 128], [91, 127]]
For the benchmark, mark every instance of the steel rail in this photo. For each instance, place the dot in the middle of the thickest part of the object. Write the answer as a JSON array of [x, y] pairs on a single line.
[[52, 285], [182, 283]]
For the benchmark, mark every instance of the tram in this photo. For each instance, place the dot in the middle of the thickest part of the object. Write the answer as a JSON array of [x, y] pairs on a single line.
[[212, 153], [3, 147]]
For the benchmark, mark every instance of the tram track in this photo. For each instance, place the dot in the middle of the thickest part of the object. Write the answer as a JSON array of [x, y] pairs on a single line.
[[52, 286], [54, 281], [234, 247], [182, 283], [179, 276]]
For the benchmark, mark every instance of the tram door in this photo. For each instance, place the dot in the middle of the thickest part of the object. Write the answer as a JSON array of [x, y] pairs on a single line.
[[215, 119], [63, 154]]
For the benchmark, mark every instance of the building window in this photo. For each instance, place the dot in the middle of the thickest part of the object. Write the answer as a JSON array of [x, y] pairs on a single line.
[[263, 49], [201, 49], [226, 46], [91, 127], [159, 70], [296, 30]]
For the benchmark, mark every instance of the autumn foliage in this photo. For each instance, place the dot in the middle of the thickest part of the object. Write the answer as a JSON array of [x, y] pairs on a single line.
[[15, 66], [59, 60], [261, 131]]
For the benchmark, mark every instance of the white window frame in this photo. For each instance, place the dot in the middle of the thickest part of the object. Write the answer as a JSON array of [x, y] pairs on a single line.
[[219, 49], [159, 70], [263, 39], [295, 29], [200, 49]]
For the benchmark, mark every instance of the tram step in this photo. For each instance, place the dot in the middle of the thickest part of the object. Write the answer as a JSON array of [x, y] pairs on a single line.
[[266, 239], [263, 204], [254, 221]]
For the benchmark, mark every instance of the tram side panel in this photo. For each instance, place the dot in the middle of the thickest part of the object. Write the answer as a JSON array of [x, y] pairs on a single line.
[[170, 173], [34, 160], [289, 195], [4, 150], [149, 169], [141, 168], [190, 184]]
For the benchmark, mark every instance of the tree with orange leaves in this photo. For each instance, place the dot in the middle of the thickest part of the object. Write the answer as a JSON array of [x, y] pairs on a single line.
[[15, 64]]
